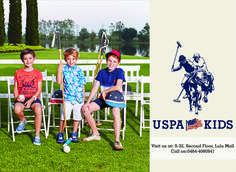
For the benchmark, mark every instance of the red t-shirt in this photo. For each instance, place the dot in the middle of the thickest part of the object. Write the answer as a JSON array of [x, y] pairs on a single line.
[[27, 81]]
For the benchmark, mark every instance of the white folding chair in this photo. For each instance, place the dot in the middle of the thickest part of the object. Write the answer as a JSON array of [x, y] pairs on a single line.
[[145, 100], [131, 74], [11, 122]]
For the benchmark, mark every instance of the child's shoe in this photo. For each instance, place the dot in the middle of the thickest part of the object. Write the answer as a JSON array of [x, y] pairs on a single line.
[[74, 137], [91, 137], [118, 145], [60, 138], [37, 140], [21, 126]]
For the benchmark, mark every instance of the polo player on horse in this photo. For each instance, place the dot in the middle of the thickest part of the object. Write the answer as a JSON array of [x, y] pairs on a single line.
[[186, 82], [197, 77], [207, 86]]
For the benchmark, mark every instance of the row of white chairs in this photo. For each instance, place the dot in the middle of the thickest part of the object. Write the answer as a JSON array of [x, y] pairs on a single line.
[[131, 75]]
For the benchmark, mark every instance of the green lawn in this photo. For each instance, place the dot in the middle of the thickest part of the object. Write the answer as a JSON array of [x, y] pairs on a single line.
[[23, 155], [54, 54]]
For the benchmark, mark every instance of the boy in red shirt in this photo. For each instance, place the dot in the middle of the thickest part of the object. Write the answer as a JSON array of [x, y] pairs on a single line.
[[28, 82]]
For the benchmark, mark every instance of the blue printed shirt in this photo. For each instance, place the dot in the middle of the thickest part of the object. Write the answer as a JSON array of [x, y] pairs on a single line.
[[73, 79]]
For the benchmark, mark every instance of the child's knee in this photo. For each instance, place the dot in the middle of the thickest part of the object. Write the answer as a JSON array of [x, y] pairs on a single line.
[[18, 110], [38, 110], [85, 110]]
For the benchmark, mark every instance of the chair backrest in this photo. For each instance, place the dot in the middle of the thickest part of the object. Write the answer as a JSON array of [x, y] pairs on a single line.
[[131, 72], [52, 85], [88, 72], [45, 78], [144, 80], [10, 81]]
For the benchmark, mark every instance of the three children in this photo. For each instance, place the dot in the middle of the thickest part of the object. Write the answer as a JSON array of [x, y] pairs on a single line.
[[110, 79]]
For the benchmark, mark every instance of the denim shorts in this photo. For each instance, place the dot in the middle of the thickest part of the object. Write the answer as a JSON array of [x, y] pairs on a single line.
[[101, 103], [26, 99]]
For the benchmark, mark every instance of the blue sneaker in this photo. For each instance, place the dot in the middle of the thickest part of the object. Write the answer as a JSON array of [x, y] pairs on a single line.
[[21, 126], [60, 138], [37, 140], [74, 136]]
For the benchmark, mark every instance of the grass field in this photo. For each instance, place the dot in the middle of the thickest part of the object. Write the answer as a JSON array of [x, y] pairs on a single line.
[[53, 54], [23, 155]]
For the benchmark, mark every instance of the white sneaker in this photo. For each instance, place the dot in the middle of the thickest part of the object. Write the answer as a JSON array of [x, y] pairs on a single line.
[[91, 137]]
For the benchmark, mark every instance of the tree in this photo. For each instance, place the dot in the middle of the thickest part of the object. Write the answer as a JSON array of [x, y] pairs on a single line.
[[43, 30], [65, 27], [2, 24], [15, 21], [32, 32], [128, 34], [111, 28], [144, 34], [119, 28], [84, 34], [93, 36]]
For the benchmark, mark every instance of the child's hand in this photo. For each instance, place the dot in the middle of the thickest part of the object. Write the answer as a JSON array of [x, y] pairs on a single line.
[[28, 103], [104, 94], [60, 66], [20, 99]]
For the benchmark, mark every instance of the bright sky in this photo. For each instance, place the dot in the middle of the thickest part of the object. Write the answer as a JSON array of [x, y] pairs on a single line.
[[92, 15]]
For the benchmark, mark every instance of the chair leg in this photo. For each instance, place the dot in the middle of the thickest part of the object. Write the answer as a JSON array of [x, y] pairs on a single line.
[[44, 124], [49, 115], [136, 108], [106, 113], [8, 119], [79, 128], [53, 116], [98, 116], [143, 118], [123, 124], [82, 122], [141, 121], [12, 127]]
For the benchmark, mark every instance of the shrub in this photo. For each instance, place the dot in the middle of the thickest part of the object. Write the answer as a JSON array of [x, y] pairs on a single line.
[[19, 47]]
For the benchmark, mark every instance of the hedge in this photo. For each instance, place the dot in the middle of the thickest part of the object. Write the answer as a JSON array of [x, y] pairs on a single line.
[[19, 47]]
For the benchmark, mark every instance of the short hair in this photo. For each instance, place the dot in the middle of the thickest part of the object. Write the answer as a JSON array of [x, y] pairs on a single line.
[[27, 51], [71, 51], [114, 57]]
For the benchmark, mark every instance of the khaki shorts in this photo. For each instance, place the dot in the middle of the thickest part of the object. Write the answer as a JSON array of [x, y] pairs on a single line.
[[76, 108]]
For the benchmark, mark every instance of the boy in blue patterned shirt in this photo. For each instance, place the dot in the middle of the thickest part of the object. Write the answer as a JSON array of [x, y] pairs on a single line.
[[110, 79], [74, 91]]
